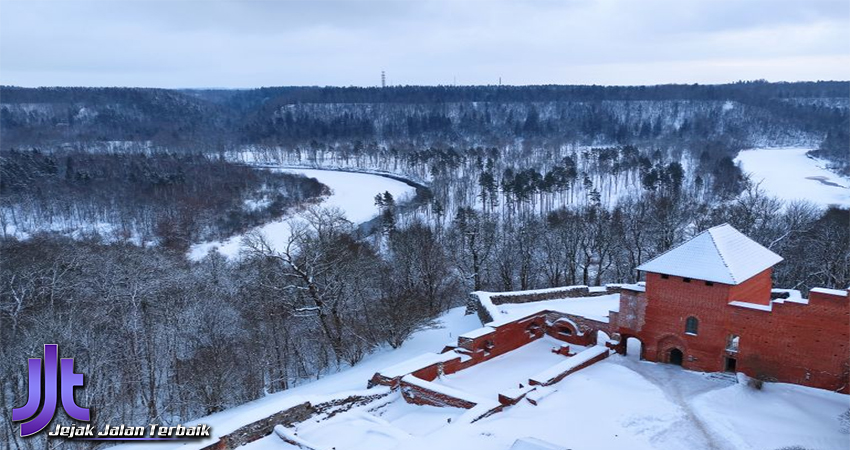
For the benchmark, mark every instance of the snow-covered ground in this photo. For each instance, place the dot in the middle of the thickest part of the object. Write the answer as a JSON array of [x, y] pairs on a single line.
[[594, 308], [506, 371], [789, 174], [353, 193], [444, 330], [617, 403]]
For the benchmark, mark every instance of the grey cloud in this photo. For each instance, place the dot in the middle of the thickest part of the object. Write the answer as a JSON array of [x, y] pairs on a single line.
[[187, 43]]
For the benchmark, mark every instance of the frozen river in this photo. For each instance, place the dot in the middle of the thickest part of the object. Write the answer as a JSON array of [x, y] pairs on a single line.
[[353, 193], [789, 174]]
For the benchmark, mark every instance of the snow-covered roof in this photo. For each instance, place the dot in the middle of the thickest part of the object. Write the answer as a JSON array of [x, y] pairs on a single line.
[[838, 292], [721, 254], [416, 363], [570, 363], [478, 332]]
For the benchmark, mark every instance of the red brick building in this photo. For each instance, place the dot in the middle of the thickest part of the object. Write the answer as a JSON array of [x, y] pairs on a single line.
[[708, 306]]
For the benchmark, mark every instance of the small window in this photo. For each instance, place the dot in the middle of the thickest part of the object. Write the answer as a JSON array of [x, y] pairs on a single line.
[[665, 276], [709, 283], [692, 326], [732, 343], [686, 280]]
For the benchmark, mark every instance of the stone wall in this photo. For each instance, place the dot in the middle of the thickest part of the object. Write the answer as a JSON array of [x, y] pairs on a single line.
[[288, 417], [547, 294], [264, 427]]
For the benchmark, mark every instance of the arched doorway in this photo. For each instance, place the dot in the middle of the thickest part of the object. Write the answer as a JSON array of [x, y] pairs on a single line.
[[634, 348], [675, 357]]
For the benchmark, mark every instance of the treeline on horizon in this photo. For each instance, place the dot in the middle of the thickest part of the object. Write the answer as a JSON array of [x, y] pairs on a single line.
[[741, 90], [410, 117]]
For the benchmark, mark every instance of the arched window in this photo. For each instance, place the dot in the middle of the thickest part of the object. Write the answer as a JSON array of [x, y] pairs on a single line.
[[692, 325]]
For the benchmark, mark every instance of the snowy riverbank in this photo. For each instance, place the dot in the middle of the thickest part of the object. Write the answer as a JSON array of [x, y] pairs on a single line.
[[353, 193], [788, 173]]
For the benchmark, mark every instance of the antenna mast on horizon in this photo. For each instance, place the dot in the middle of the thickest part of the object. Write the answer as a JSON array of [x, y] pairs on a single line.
[[383, 79]]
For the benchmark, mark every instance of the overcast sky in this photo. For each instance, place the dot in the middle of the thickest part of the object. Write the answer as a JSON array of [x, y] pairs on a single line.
[[250, 43]]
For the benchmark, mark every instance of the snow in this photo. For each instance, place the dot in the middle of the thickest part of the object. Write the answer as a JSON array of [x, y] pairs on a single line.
[[633, 348], [789, 174], [773, 417], [640, 287], [287, 435], [485, 298], [540, 291], [838, 292], [531, 443], [351, 379], [574, 325], [352, 193], [794, 296], [418, 420], [749, 305], [616, 403], [539, 393], [507, 371], [571, 363], [359, 429], [448, 391], [416, 363], [721, 254], [594, 308], [516, 393], [478, 332], [603, 406]]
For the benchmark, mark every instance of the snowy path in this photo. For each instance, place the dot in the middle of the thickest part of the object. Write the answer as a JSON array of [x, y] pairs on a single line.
[[680, 387], [789, 174], [353, 193]]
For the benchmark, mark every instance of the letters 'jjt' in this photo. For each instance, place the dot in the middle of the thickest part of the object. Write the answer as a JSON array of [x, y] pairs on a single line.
[[69, 381]]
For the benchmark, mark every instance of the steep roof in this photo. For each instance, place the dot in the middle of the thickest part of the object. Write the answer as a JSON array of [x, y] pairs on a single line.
[[721, 254]]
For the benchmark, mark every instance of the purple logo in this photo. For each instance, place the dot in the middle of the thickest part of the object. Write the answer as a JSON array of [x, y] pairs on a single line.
[[46, 386]]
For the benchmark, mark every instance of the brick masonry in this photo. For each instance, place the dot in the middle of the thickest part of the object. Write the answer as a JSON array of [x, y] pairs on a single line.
[[797, 343], [419, 395]]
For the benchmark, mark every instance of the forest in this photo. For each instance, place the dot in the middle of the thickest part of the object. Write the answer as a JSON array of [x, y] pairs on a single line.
[[103, 190], [168, 199], [408, 118]]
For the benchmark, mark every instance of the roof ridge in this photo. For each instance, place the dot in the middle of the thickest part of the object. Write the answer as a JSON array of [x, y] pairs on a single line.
[[720, 253], [726, 255], [675, 247]]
